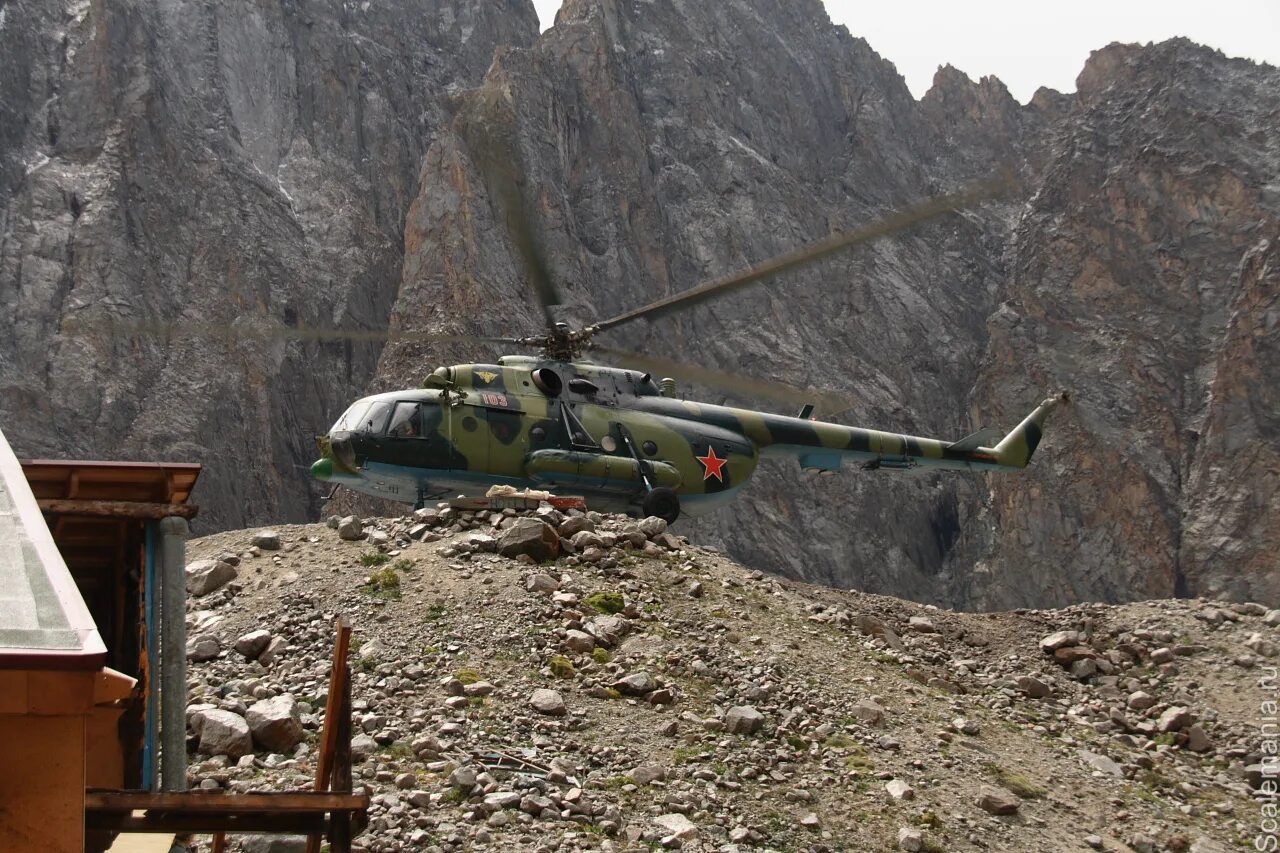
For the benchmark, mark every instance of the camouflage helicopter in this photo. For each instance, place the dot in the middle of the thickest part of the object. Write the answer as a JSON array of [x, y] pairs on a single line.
[[622, 437]]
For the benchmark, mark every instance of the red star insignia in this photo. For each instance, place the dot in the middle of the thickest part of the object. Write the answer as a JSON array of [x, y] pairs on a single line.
[[712, 464]]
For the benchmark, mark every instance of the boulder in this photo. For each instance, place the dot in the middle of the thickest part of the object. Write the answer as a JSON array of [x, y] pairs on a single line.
[[272, 652], [548, 702], [275, 723], [530, 536], [224, 733], [541, 582], [743, 720], [1175, 719], [636, 684], [351, 529], [202, 648], [253, 643], [206, 576], [579, 641], [1059, 639], [362, 746], [899, 790], [1033, 687], [652, 526], [267, 540], [997, 801], [1102, 764]]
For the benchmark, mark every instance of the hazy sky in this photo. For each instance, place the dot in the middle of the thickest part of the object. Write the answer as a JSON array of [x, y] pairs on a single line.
[[1030, 44]]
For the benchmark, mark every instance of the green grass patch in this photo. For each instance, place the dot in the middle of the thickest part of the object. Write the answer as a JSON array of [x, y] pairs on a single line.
[[467, 676], [606, 601], [1016, 783], [562, 667], [383, 583], [404, 564], [435, 612], [599, 655], [373, 558]]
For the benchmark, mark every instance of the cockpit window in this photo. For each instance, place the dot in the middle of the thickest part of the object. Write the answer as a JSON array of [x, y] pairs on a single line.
[[350, 419], [411, 420], [405, 422], [375, 417]]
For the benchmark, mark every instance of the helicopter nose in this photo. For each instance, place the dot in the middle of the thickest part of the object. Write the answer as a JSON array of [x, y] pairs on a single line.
[[322, 469]]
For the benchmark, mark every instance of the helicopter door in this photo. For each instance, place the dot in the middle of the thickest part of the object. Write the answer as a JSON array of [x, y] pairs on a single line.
[[413, 436], [505, 428]]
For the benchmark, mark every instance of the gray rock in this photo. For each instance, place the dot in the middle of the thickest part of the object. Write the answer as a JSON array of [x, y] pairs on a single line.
[[203, 648], [1198, 739], [541, 582], [1033, 687], [351, 529], [678, 826], [206, 576], [1175, 719], [910, 839], [1102, 764], [574, 525], [899, 790], [1059, 640], [530, 536], [224, 733], [653, 527], [362, 746], [922, 625], [267, 540], [1140, 700], [272, 652], [253, 643], [636, 684], [273, 843], [997, 801], [868, 711], [275, 723], [743, 720], [647, 774], [548, 702], [579, 641]]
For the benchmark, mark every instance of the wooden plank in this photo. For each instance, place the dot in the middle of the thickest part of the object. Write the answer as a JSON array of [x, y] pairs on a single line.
[[117, 509], [219, 842], [191, 802], [204, 822], [334, 708]]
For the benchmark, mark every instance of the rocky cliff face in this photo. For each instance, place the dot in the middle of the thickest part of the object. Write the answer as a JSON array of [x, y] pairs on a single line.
[[233, 163], [664, 143]]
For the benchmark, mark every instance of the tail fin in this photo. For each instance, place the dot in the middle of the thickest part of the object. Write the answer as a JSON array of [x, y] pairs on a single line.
[[1015, 449]]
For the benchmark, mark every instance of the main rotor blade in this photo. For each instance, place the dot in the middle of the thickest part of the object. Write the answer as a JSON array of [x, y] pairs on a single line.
[[486, 123], [156, 328], [744, 385], [891, 224]]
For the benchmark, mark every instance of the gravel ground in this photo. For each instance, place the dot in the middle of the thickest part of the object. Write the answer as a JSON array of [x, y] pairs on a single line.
[[634, 692]]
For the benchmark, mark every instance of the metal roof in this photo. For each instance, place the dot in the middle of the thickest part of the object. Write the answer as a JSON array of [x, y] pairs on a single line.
[[44, 623]]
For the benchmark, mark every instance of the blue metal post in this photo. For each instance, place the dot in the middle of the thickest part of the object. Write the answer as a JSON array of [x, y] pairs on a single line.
[[151, 606]]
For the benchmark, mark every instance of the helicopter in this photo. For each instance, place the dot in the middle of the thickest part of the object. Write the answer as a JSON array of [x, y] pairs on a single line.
[[622, 438]]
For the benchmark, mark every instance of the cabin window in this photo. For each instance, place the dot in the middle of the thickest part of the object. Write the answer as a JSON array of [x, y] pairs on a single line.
[[405, 421], [350, 419], [412, 420], [373, 419]]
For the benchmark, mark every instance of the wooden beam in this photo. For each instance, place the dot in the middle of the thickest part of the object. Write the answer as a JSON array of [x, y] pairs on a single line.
[[207, 822], [117, 509], [334, 708], [192, 802]]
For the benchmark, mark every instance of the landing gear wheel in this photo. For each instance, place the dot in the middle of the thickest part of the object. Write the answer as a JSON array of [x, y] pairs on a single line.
[[662, 502]]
